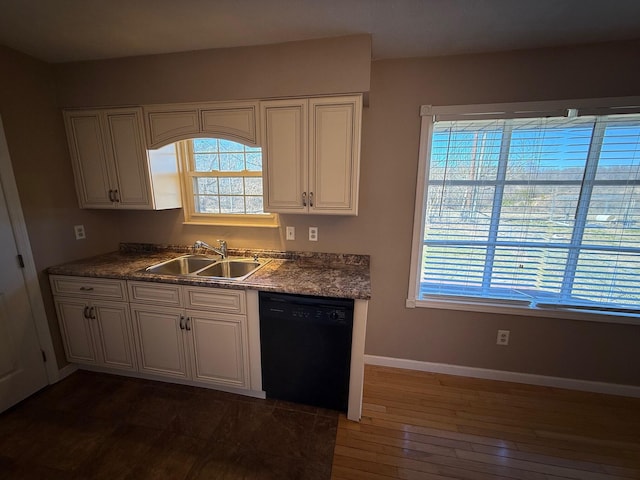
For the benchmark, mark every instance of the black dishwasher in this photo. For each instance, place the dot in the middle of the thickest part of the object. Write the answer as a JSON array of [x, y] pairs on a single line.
[[305, 347]]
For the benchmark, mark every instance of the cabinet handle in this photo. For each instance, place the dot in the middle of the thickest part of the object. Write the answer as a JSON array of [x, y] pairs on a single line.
[[181, 322], [111, 196], [311, 199], [86, 289], [85, 313], [189, 324], [304, 199], [116, 195], [91, 314]]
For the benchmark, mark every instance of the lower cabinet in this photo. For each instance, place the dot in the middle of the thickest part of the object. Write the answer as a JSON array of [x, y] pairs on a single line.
[[96, 332], [177, 332], [200, 345]]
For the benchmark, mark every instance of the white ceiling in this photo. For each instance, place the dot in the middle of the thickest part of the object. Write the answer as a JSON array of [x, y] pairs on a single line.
[[70, 30]]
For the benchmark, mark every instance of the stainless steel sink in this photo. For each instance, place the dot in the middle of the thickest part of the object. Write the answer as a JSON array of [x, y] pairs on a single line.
[[235, 269], [182, 265], [202, 266]]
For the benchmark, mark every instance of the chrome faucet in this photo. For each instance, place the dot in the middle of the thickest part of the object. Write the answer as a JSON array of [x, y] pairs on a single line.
[[222, 250]]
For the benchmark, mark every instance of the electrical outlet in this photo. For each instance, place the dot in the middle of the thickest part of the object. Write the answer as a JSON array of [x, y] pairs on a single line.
[[79, 231], [291, 233], [313, 234], [503, 337]]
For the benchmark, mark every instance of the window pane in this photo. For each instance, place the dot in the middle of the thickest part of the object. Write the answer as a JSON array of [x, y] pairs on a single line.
[[441, 275], [206, 185], [458, 212], [205, 145], [231, 186], [538, 213], [254, 162], [620, 153], [229, 146], [606, 277], [549, 149], [206, 162], [232, 204], [207, 204], [253, 185], [254, 205], [231, 162]]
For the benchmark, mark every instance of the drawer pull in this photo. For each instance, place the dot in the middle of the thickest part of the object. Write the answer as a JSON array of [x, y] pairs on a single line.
[[86, 289]]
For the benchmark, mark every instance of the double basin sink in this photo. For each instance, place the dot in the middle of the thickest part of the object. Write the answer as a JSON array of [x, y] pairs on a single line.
[[203, 266]]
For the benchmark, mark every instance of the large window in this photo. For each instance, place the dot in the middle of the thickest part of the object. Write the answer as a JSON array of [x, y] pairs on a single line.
[[540, 211], [223, 182]]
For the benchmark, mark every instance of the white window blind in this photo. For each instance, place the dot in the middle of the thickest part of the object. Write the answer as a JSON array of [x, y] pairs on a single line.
[[536, 211]]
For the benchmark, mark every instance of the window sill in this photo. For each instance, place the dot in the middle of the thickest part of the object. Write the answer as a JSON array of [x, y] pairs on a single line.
[[528, 311], [257, 221]]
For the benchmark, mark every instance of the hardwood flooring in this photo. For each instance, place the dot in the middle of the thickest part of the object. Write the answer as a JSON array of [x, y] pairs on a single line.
[[417, 425]]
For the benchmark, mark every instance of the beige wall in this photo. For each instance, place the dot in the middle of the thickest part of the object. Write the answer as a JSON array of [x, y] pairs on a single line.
[[335, 65], [35, 136], [391, 127], [582, 350]]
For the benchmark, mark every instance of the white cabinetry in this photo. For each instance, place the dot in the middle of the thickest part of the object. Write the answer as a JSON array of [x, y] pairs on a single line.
[[202, 337], [111, 165], [95, 331], [311, 155], [235, 121]]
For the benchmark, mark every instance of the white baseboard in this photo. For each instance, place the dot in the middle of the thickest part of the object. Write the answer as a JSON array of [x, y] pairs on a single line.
[[64, 372], [488, 374]]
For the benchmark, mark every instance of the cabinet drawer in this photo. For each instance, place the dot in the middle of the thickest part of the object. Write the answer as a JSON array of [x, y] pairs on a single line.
[[155, 293], [89, 287], [215, 299]]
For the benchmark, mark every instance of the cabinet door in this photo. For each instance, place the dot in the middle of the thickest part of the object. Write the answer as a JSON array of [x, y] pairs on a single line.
[[160, 340], [284, 155], [129, 158], [334, 155], [114, 334], [219, 348], [76, 332], [86, 146]]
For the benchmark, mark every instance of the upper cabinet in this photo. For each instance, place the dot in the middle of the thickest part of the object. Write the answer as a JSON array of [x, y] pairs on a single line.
[[233, 120], [112, 166], [311, 155]]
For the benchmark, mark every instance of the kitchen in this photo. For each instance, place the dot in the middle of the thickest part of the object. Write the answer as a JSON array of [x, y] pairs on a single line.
[[33, 92]]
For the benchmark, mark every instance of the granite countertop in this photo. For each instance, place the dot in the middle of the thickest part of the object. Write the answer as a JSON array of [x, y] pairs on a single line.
[[321, 274]]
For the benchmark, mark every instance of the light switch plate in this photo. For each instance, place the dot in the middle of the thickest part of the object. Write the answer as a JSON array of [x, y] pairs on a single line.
[[291, 233]]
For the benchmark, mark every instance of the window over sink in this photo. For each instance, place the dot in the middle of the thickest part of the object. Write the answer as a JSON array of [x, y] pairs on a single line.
[[222, 182]]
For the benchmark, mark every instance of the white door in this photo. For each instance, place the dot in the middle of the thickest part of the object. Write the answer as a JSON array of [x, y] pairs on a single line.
[[22, 370]]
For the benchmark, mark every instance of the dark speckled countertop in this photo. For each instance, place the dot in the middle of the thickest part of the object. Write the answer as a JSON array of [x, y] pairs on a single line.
[[321, 274]]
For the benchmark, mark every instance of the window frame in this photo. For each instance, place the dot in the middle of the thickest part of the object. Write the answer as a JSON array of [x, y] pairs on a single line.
[[184, 149], [429, 114]]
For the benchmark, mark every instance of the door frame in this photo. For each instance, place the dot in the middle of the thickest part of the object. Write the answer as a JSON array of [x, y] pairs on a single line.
[[30, 273]]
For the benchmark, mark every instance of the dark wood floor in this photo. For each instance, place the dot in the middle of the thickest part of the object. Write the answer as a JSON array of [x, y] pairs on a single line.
[[438, 427], [97, 426]]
